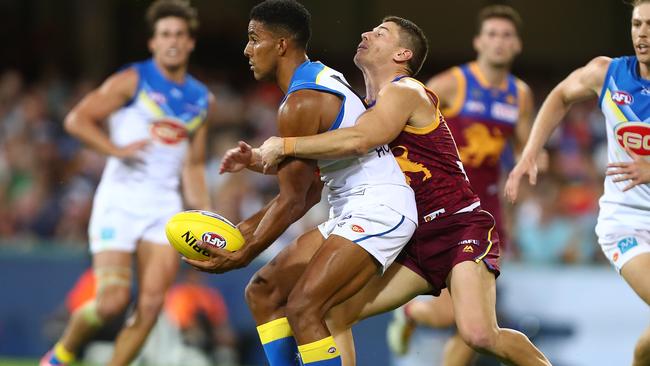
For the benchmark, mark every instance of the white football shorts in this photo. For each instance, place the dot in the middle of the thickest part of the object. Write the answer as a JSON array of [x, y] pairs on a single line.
[[378, 229], [624, 244], [116, 228]]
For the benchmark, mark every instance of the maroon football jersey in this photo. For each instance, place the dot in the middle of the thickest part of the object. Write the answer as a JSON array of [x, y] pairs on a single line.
[[482, 119], [429, 159]]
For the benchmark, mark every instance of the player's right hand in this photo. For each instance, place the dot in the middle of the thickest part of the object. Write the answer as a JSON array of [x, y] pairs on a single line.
[[526, 165], [237, 158], [131, 153]]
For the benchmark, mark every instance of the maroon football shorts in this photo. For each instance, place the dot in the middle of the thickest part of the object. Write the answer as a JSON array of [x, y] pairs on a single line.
[[439, 245]]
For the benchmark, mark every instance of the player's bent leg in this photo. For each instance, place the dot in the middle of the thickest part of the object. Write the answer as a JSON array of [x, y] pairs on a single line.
[[457, 353], [112, 270], [397, 286], [473, 292], [635, 273], [268, 290], [157, 267], [267, 294], [436, 312]]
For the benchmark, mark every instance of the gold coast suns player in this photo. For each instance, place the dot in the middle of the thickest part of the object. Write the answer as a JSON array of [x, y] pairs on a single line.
[[487, 110], [156, 114], [622, 86], [372, 214], [454, 245]]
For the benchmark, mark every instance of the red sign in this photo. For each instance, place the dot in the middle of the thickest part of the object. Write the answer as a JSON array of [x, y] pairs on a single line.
[[635, 136], [168, 132]]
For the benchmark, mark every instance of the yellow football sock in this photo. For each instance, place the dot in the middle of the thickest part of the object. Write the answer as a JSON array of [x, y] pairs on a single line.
[[323, 353], [62, 354]]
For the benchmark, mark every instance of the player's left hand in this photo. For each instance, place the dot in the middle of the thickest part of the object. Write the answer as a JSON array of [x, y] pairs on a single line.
[[636, 171], [272, 152], [220, 260]]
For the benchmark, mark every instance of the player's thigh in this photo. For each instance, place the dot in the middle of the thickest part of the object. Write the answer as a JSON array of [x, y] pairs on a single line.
[[635, 272], [339, 269], [473, 294], [394, 288], [158, 264], [281, 273]]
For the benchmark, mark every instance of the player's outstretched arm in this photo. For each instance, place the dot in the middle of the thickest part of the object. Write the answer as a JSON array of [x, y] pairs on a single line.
[[85, 119], [582, 84], [377, 126], [298, 185]]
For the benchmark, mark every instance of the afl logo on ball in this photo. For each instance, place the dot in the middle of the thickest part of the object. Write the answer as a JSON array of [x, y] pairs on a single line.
[[621, 98], [635, 136], [214, 239], [168, 132]]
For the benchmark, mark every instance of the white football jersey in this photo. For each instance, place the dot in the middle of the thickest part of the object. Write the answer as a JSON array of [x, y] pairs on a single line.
[[625, 102], [375, 176]]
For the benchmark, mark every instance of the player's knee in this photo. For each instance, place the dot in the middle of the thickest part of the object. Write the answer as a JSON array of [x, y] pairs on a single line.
[[150, 304], [262, 295], [339, 319], [480, 338], [303, 308], [113, 302]]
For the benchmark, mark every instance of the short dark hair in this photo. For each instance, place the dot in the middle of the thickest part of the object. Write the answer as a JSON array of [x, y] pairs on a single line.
[[635, 3], [172, 8], [287, 15], [414, 39], [499, 11]]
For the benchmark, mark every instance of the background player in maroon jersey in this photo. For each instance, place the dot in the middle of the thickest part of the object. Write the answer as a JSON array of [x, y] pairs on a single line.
[[486, 107], [455, 237]]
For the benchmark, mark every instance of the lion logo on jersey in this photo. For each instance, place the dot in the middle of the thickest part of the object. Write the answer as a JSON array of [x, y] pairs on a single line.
[[481, 144], [408, 166]]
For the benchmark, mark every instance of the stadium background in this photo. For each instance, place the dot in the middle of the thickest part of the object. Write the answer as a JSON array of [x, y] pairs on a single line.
[[556, 285]]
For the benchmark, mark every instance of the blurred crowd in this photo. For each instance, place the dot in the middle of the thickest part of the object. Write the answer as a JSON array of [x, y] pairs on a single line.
[[47, 178]]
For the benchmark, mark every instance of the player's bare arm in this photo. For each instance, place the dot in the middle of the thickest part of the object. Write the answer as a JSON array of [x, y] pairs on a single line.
[[445, 85], [396, 104], [195, 189], [582, 84], [85, 120], [303, 113]]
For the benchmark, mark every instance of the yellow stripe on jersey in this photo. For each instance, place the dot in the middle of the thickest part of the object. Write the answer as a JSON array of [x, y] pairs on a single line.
[[436, 120], [320, 74], [195, 122], [613, 107], [459, 98], [151, 105], [426, 129]]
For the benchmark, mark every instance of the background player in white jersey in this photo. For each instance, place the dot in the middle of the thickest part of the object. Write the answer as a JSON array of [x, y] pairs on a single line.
[[373, 213], [623, 88], [156, 113]]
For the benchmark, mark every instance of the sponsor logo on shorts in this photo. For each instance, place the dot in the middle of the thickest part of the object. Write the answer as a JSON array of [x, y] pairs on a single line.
[[469, 241], [615, 256], [107, 233], [331, 350], [622, 98], [357, 229], [340, 224], [214, 239], [626, 244], [346, 217], [468, 249]]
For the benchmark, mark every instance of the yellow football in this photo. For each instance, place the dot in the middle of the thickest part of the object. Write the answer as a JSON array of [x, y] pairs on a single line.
[[186, 228]]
